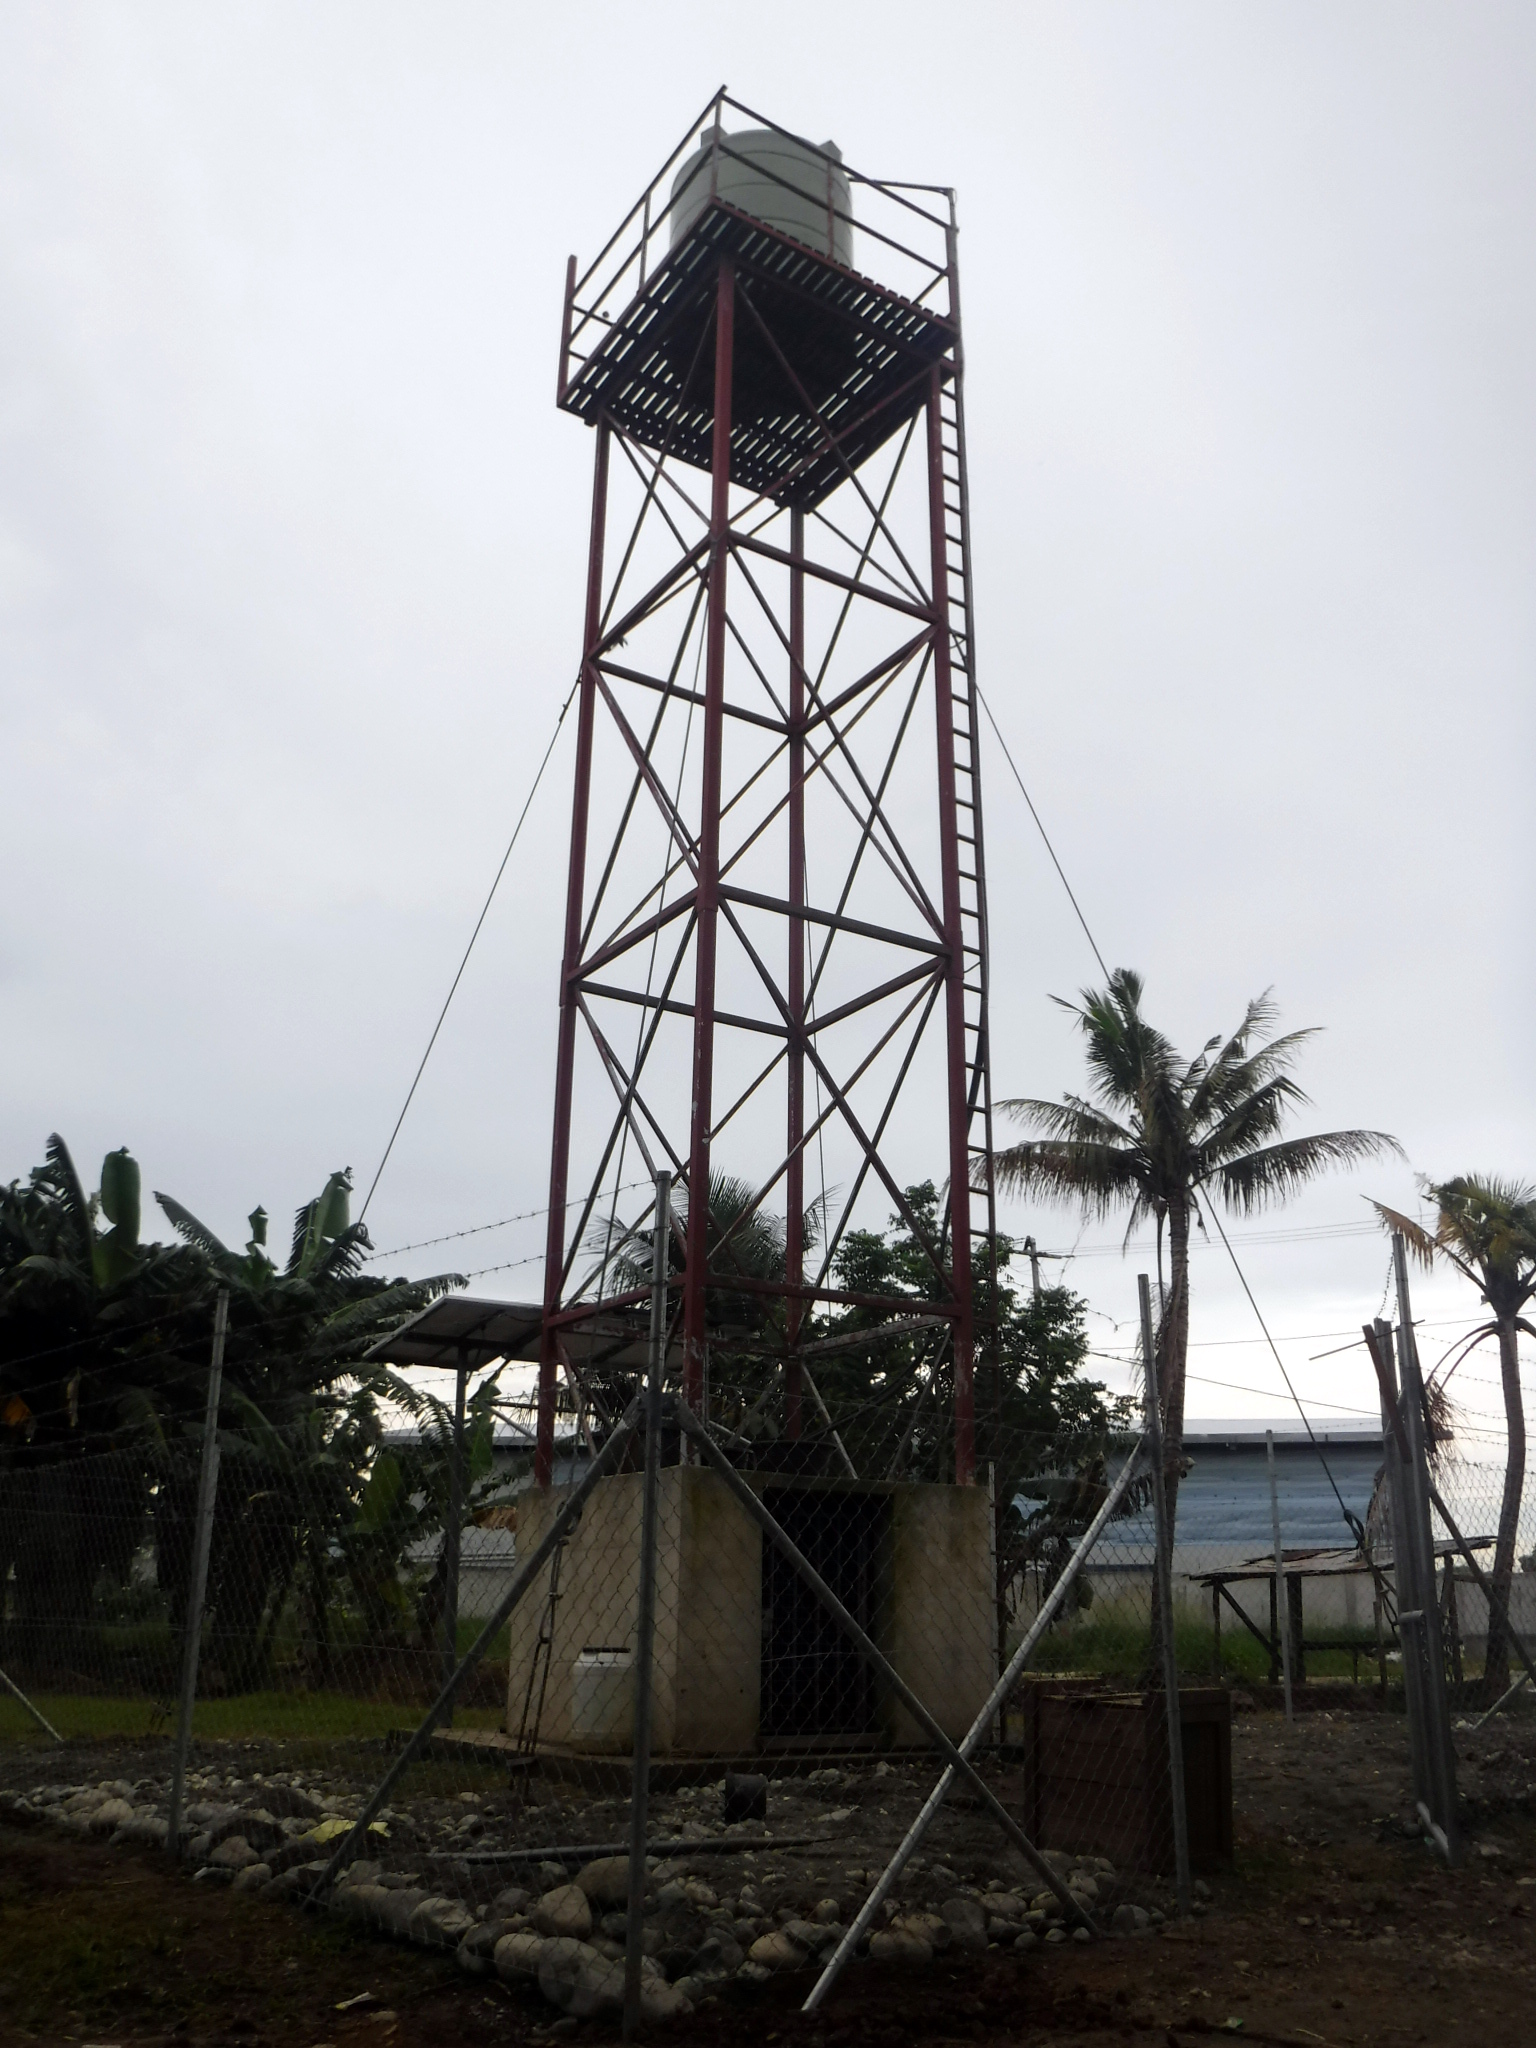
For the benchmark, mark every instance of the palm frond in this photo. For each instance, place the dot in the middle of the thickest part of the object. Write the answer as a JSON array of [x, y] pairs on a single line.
[[1071, 1119], [1249, 1121], [1097, 1178], [1415, 1236], [73, 1198], [1269, 1175], [186, 1225]]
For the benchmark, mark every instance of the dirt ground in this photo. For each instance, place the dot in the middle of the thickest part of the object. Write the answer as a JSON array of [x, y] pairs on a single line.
[[1336, 1925]]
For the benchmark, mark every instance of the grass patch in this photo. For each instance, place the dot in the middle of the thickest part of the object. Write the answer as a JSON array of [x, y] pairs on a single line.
[[1105, 1643], [260, 1716]]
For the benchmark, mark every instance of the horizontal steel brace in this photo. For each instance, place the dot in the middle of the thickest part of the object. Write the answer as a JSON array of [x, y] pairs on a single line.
[[666, 689], [774, 1029], [616, 948], [784, 908], [748, 544]]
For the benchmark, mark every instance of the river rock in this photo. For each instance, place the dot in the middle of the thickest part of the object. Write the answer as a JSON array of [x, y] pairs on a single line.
[[518, 1955], [110, 1815], [252, 1878], [512, 1898], [931, 1928], [606, 1881], [573, 1976], [1129, 1919], [1004, 1906], [234, 1853], [899, 1944], [661, 2001], [811, 1935], [476, 1953], [718, 1957], [360, 1901], [396, 1907], [564, 1914], [287, 1802], [440, 1923], [147, 1830], [777, 1952]]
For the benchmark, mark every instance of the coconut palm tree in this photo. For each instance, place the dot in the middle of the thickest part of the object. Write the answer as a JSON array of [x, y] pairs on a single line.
[[1160, 1135], [1486, 1228]]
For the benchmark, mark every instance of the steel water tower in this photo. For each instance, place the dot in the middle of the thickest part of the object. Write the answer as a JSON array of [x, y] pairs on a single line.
[[775, 949]]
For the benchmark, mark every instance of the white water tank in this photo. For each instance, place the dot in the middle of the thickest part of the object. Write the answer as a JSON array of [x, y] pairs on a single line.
[[784, 183], [603, 1699]]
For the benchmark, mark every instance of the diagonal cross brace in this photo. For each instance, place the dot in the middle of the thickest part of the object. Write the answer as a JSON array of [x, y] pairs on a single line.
[[538, 1557], [958, 1761], [1010, 1678]]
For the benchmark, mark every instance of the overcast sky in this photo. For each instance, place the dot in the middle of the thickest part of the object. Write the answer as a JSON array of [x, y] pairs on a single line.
[[292, 540]]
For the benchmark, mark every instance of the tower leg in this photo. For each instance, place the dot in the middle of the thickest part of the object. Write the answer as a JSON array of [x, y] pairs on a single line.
[[565, 1054], [794, 1178], [696, 1258]]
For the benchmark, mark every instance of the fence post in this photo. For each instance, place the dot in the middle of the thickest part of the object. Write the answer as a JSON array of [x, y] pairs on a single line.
[[645, 1620], [1282, 1602], [1440, 1753], [197, 1586], [1404, 1566], [453, 1527], [1164, 1599]]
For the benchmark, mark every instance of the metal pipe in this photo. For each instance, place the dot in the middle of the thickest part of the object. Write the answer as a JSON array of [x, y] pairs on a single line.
[[645, 1622], [38, 1716], [910, 1842], [881, 1664], [202, 1540], [1482, 1720], [1282, 1589], [538, 1557], [1172, 1710]]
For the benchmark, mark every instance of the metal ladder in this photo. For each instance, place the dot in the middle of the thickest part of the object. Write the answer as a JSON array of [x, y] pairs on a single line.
[[965, 722]]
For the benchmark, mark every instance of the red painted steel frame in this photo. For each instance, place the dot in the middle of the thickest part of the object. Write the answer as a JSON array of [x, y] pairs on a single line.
[[810, 727]]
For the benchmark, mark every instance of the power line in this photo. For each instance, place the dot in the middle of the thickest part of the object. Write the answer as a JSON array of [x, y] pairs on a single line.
[[1039, 826], [1352, 1521], [478, 1229], [458, 977]]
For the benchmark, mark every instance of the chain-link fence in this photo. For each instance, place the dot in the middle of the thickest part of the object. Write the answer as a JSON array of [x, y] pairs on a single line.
[[883, 1714]]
